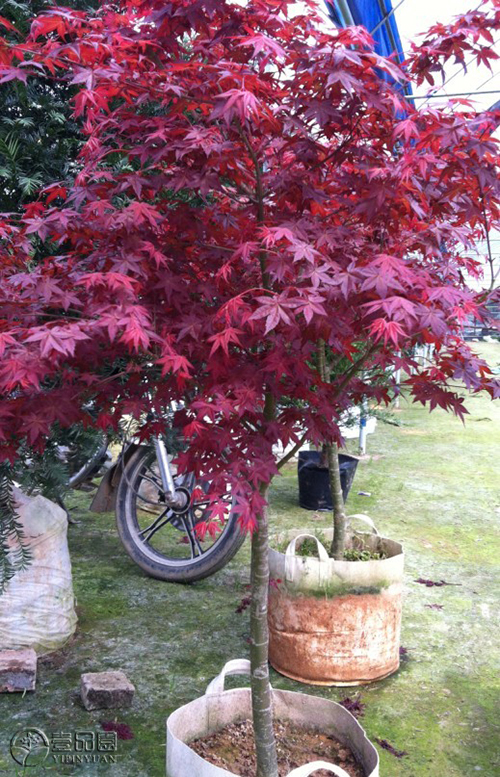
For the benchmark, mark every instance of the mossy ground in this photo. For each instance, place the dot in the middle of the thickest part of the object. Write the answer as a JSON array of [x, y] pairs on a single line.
[[434, 484]]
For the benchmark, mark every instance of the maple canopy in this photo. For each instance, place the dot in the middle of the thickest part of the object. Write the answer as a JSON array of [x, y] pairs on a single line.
[[251, 184]]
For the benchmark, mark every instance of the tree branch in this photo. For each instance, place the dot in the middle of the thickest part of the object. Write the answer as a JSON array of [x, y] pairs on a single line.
[[259, 191], [354, 369], [281, 463]]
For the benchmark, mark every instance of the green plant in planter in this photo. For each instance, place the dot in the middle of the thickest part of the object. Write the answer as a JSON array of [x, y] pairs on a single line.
[[308, 548], [359, 554]]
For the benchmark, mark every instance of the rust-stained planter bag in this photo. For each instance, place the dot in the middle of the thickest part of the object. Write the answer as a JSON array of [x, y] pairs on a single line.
[[219, 708], [336, 622]]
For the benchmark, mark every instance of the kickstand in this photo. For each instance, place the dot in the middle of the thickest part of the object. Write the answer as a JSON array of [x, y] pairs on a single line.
[[71, 520]]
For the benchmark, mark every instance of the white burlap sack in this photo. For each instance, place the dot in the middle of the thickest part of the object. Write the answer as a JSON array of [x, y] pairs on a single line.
[[37, 608]]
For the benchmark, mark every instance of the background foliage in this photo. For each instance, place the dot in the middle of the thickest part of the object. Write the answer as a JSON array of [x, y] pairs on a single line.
[[39, 137]]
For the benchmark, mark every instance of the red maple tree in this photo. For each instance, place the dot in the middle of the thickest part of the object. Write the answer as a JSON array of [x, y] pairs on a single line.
[[252, 185]]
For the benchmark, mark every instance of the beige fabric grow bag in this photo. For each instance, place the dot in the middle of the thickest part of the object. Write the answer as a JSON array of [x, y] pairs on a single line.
[[219, 708], [336, 622], [37, 607]]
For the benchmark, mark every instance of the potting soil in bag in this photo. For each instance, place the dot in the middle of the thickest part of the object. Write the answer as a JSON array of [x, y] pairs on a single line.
[[37, 607]]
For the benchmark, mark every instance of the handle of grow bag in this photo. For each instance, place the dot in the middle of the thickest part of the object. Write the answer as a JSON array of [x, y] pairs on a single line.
[[291, 551], [364, 519], [307, 769], [235, 666]]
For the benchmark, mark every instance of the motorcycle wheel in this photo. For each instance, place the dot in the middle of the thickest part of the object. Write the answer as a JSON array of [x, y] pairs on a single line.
[[164, 542]]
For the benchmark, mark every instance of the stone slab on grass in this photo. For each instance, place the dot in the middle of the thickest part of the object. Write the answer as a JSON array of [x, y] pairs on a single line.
[[17, 670], [106, 690]]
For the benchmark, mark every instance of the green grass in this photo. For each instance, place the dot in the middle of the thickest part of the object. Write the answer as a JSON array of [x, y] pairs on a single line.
[[434, 485]]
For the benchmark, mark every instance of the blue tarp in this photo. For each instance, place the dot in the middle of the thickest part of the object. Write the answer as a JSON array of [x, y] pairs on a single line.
[[369, 13]]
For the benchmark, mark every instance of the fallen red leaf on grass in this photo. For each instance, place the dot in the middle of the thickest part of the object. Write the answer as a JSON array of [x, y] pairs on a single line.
[[123, 731], [390, 749], [431, 583], [355, 706], [245, 602]]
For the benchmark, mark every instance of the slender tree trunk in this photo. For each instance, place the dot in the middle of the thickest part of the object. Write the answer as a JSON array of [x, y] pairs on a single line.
[[339, 513], [265, 743], [332, 455], [267, 762]]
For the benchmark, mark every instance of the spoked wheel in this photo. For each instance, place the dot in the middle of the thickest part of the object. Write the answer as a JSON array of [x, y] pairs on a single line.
[[161, 540], [82, 471]]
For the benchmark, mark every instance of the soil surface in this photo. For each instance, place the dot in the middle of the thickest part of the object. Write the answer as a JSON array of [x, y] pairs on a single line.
[[233, 748]]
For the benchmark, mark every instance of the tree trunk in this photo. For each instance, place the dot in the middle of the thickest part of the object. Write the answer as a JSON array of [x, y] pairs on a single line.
[[339, 514], [332, 455], [267, 762]]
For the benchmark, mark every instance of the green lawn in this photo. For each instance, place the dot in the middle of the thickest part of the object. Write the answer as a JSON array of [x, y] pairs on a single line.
[[434, 484]]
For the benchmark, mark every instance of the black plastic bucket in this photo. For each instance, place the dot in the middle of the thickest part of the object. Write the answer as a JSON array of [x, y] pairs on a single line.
[[314, 484]]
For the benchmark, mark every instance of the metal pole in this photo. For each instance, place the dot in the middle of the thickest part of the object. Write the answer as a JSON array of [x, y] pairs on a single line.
[[397, 380], [173, 497], [346, 12], [387, 17], [363, 417]]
